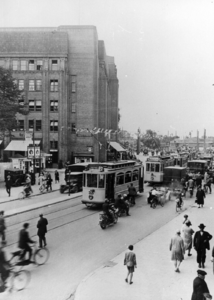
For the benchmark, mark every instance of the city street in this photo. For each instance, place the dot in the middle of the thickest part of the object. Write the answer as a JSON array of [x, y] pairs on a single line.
[[77, 244]]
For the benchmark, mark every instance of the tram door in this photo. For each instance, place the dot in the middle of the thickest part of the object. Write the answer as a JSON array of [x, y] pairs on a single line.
[[110, 179]]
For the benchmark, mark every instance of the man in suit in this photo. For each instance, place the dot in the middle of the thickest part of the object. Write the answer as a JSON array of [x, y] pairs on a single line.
[[201, 243], [24, 241], [42, 230], [131, 263], [200, 286]]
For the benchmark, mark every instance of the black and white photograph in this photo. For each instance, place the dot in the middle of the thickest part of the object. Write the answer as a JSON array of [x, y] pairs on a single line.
[[106, 149]]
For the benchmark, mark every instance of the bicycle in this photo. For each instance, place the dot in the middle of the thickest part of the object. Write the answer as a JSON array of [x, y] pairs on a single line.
[[17, 280], [179, 204], [40, 257], [25, 193]]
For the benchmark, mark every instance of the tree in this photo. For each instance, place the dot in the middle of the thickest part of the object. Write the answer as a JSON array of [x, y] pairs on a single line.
[[151, 140], [10, 99]]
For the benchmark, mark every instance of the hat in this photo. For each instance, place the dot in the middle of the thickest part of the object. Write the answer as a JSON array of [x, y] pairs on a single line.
[[188, 223], [201, 226], [185, 216], [178, 231], [201, 272]]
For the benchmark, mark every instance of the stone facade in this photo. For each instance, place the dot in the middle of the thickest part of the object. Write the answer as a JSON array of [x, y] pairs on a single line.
[[69, 83]]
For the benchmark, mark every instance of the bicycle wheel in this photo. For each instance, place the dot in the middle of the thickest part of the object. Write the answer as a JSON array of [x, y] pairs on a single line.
[[21, 279], [41, 256]]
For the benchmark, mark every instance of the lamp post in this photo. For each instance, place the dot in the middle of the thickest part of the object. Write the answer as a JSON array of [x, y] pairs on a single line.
[[69, 183]]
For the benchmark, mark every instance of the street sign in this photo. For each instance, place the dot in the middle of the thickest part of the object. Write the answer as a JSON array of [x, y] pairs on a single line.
[[30, 152]]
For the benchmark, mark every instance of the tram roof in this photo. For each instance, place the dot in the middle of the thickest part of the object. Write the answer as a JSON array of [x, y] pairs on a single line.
[[158, 158], [197, 161], [115, 164]]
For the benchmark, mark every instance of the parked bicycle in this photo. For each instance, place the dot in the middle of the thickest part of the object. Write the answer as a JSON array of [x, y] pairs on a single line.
[[40, 257]]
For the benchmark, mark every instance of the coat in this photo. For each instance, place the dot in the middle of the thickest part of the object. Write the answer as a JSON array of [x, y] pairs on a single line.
[[24, 239], [202, 241], [200, 195], [130, 259], [42, 226], [177, 248], [199, 287]]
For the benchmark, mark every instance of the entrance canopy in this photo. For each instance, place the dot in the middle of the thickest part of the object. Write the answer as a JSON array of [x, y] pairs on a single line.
[[117, 147], [20, 145]]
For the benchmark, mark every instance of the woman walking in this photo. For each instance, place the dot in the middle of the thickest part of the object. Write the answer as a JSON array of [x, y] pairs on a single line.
[[187, 233], [177, 248], [56, 175], [200, 195]]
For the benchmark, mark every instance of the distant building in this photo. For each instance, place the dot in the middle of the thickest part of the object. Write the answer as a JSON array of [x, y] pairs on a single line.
[[191, 142], [69, 83]]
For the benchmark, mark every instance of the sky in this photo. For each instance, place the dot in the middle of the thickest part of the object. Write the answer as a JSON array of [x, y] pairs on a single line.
[[163, 49]]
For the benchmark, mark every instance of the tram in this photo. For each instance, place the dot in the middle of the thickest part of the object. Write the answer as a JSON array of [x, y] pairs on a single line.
[[155, 166], [181, 159], [106, 180]]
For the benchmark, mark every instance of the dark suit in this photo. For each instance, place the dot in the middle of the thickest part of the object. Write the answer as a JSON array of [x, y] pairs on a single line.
[[201, 243], [42, 230], [199, 287], [24, 240]]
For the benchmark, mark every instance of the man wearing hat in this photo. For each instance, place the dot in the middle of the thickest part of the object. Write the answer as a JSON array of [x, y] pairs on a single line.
[[42, 230], [201, 243], [200, 287]]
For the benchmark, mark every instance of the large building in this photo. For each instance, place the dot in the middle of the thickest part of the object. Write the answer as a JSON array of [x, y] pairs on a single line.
[[70, 85]]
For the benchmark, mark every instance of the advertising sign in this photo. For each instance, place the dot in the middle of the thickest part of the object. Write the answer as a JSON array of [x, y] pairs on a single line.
[[30, 152]]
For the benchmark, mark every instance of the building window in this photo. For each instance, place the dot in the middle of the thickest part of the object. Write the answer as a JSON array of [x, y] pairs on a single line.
[[53, 144], [21, 125], [39, 65], [21, 85], [15, 65], [31, 105], [54, 105], [54, 86], [73, 83], [38, 84], [23, 65], [31, 85], [21, 101], [31, 125], [38, 125], [54, 64], [73, 107], [73, 127], [53, 125], [38, 105], [31, 65]]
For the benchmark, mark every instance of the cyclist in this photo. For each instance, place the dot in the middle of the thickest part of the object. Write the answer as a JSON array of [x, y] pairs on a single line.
[[24, 241], [121, 204], [107, 210], [180, 200], [4, 267]]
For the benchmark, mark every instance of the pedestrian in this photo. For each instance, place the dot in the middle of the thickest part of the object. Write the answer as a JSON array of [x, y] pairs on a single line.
[[178, 250], [185, 219], [56, 174], [200, 288], [201, 244], [130, 262], [33, 177], [8, 183], [132, 193], [2, 227], [208, 184], [186, 234], [49, 182], [42, 230], [200, 195]]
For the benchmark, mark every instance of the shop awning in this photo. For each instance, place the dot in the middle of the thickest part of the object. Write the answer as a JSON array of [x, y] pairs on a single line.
[[19, 145], [117, 147]]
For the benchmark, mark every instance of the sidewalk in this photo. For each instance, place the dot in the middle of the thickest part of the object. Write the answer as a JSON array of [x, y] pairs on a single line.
[[154, 278], [16, 190]]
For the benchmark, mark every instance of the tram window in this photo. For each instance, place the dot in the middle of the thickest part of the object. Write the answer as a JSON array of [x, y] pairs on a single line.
[[157, 167], [92, 180], [120, 178], [135, 175], [84, 179], [161, 168], [148, 167], [128, 177], [152, 167], [101, 181]]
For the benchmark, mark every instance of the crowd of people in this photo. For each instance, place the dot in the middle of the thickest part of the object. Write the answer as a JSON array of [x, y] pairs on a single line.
[[183, 241]]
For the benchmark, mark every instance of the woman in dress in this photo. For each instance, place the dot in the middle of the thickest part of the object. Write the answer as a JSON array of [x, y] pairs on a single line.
[[186, 233], [177, 248], [200, 195]]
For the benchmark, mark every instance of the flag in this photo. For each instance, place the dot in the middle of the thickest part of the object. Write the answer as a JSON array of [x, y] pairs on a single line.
[[97, 131]]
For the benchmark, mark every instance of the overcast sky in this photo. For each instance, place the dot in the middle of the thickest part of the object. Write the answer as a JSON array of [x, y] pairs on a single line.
[[163, 49]]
